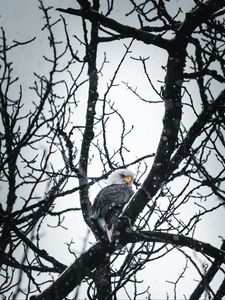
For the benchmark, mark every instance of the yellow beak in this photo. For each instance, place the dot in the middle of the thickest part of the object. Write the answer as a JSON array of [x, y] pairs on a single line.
[[128, 180]]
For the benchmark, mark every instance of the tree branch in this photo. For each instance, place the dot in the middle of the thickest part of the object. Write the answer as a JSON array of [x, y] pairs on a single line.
[[89, 260], [160, 170], [176, 240], [208, 277], [74, 274], [124, 30], [91, 55]]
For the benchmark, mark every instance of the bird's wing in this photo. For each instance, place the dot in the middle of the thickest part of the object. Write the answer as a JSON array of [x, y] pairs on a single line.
[[109, 202]]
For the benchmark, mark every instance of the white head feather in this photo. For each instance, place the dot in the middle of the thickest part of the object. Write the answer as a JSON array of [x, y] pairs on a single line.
[[117, 176]]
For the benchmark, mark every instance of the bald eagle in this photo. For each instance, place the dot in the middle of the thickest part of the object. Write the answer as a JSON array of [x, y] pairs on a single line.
[[110, 201]]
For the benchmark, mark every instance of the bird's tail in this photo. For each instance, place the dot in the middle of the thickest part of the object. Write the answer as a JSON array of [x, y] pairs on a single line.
[[109, 233]]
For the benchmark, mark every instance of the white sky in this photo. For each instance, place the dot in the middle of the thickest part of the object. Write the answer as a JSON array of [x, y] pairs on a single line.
[[22, 20]]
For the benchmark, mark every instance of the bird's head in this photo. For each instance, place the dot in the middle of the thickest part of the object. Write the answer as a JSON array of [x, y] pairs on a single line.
[[121, 176]]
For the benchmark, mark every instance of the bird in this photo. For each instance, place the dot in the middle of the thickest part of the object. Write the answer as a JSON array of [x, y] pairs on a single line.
[[109, 203]]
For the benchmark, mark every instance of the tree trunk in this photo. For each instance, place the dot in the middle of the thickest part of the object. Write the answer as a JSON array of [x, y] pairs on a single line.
[[103, 280]]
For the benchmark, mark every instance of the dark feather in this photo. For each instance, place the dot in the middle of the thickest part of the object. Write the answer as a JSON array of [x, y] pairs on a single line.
[[109, 203]]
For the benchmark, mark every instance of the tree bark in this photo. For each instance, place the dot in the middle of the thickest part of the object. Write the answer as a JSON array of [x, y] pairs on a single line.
[[95, 256], [103, 279]]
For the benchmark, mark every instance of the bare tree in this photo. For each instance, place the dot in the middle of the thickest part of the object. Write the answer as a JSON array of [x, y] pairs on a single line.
[[49, 144]]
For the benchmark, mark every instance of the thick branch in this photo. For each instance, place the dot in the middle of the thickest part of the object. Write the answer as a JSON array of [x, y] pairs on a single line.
[[73, 275], [176, 240], [221, 292], [184, 149], [171, 123], [161, 167], [91, 54], [124, 30], [173, 109], [196, 17], [203, 284], [89, 260]]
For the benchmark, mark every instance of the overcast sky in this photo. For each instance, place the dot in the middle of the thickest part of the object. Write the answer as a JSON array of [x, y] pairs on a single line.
[[22, 20]]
